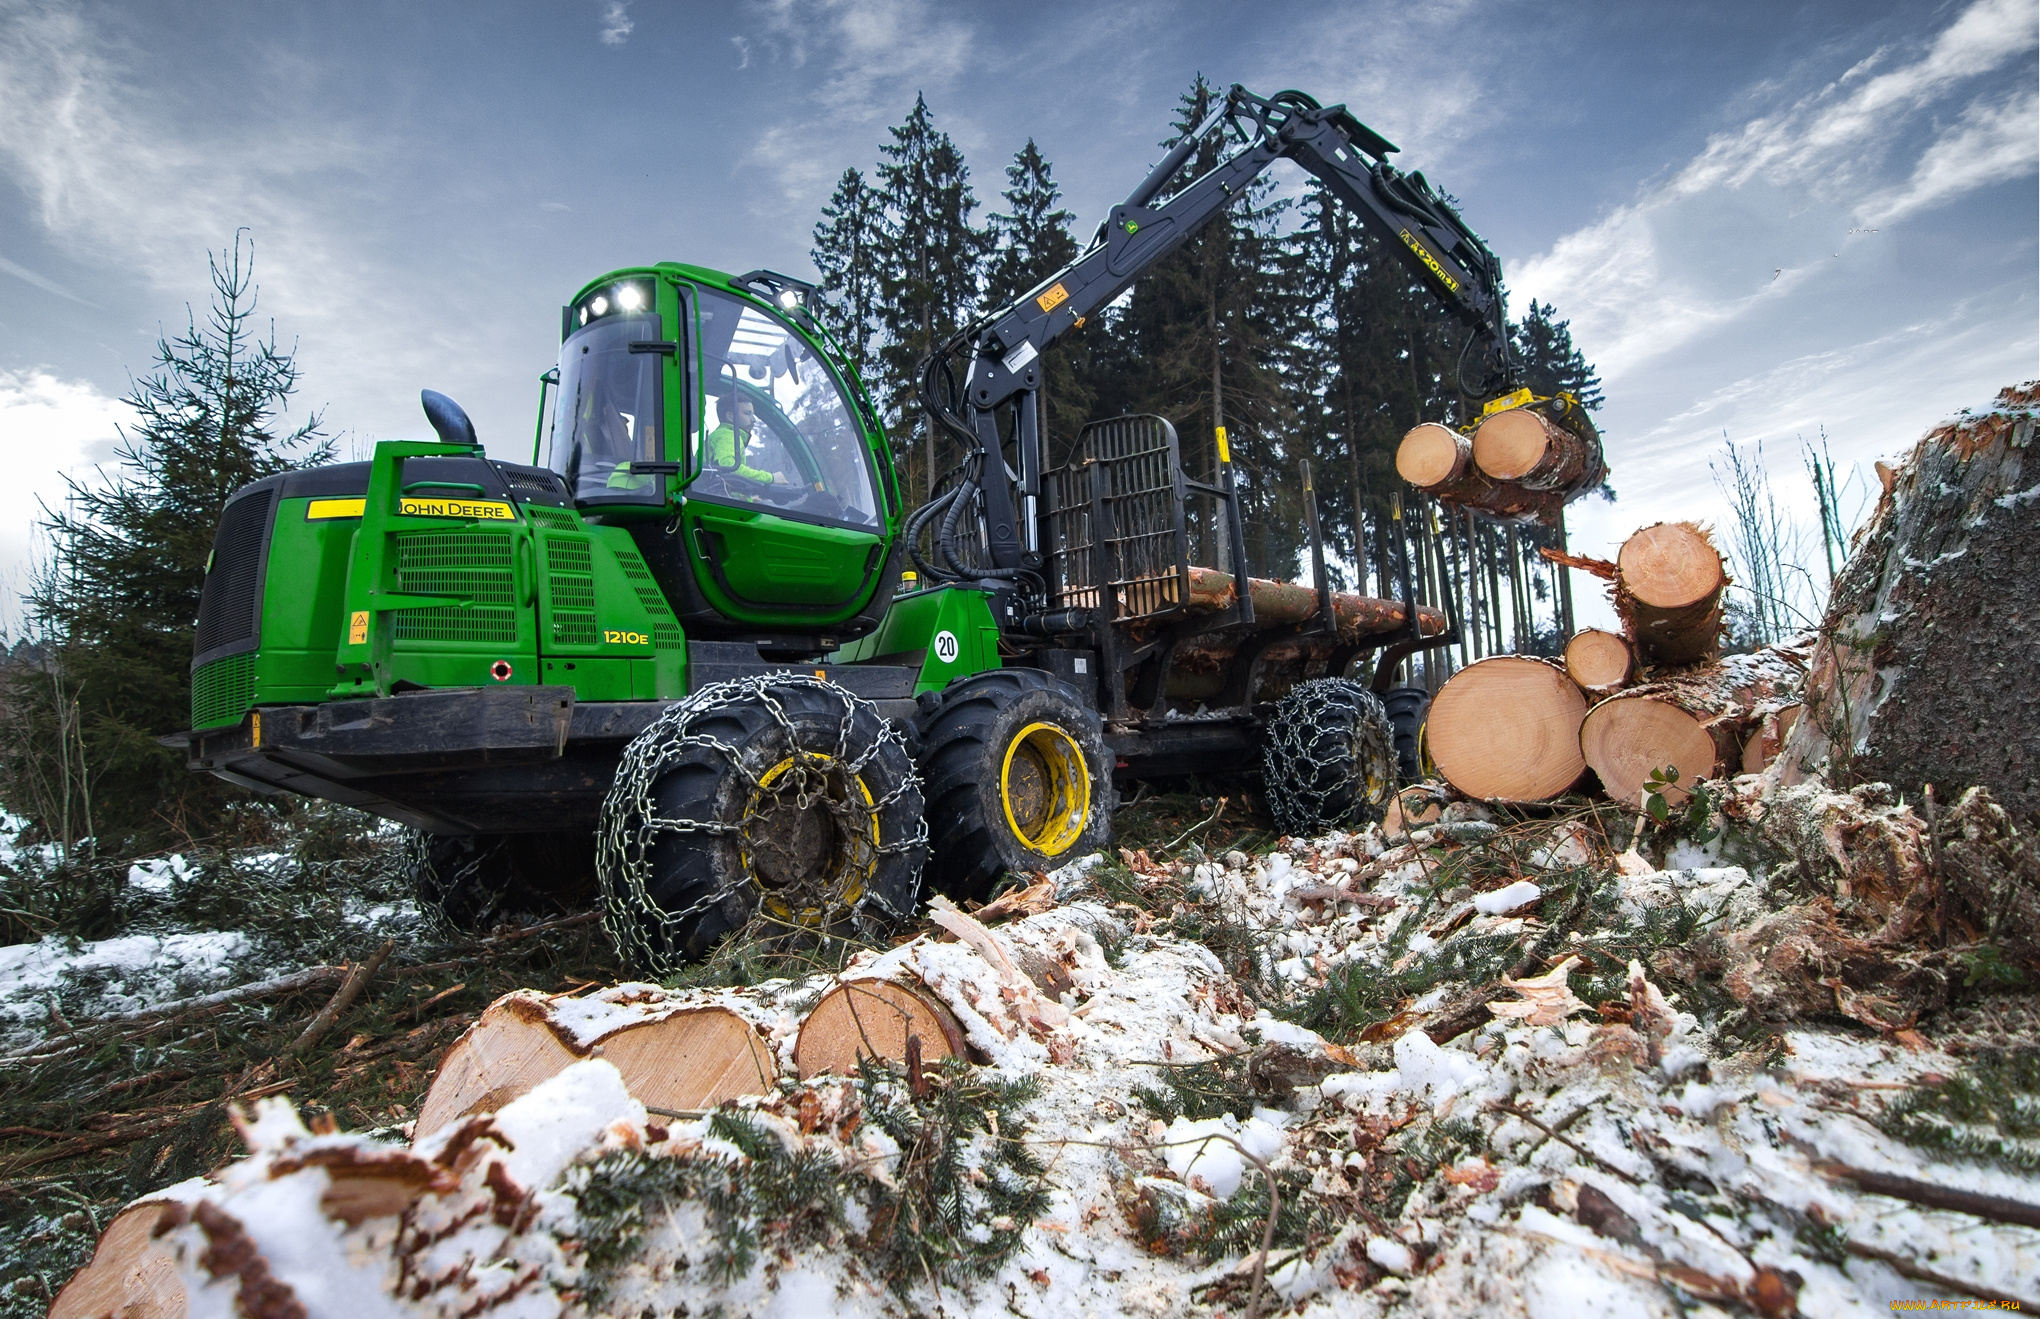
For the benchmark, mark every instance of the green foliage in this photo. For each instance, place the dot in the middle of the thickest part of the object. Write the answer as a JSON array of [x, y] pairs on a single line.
[[113, 611], [963, 1192], [1989, 1112], [847, 241], [1200, 1090], [1695, 818]]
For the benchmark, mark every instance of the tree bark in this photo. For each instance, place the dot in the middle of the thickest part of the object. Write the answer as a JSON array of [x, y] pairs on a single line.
[[1928, 665], [1698, 721], [1508, 729]]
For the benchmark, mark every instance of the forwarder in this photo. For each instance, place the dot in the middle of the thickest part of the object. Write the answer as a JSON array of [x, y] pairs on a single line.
[[700, 642]]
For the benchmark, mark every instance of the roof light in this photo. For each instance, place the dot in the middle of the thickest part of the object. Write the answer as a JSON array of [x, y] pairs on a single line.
[[600, 306], [584, 315], [789, 299], [629, 297]]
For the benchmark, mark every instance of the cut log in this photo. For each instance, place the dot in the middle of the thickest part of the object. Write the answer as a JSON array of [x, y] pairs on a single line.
[[1508, 729], [1290, 602], [1668, 585], [1442, 463], [873, 1019], [1525, 446], [1432, 455], [1929, 666], [674, 1052], [1701, 721], [129, 1275], [1599, 661], [1764, 744]]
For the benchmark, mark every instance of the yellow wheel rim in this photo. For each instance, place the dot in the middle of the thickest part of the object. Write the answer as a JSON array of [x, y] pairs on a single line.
[[850, 864], [1046, 789]]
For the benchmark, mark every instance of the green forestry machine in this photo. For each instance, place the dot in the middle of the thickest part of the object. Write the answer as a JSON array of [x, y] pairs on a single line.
[[700, 650]]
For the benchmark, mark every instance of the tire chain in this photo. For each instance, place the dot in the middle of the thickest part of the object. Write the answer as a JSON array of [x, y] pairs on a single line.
[[631, 822], [1307, 766]]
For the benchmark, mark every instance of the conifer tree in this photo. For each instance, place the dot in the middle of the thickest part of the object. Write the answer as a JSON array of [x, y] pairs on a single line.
[[931, 268], [1550, 361], [848, 239], [119, 598]]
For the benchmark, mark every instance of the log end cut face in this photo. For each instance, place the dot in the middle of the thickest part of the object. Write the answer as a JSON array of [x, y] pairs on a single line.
[[1431, 454], [1509, 445], [1598, 660], [1508, 729], [1625, 738], [1672, 565], [873, 1019], [130, 1274]]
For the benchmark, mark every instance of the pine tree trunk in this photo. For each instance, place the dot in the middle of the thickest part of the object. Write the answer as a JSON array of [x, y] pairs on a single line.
[[1508, 729], [1928, 665]]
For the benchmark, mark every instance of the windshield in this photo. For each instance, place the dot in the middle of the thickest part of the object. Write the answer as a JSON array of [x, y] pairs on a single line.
[[608, 412], [778, 432]]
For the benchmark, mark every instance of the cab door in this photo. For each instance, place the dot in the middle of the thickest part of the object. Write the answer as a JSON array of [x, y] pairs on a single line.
[[781, 517]]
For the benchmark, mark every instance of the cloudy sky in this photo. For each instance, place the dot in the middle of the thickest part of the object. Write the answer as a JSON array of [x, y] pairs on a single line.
[[1762, 218]]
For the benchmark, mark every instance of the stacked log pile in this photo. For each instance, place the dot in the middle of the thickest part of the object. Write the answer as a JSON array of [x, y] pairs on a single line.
[[1652, 699]]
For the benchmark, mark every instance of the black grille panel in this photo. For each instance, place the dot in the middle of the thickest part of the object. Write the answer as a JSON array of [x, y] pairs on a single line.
[[229, 609]]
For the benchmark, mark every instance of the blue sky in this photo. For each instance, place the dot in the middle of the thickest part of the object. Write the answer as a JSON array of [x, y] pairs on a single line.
[[1762, 219]]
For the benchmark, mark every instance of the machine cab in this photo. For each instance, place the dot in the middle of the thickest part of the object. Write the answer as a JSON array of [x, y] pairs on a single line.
[[703, 417]]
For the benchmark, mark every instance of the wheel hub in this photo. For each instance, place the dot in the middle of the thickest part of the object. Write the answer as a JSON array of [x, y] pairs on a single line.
[[809, 838]]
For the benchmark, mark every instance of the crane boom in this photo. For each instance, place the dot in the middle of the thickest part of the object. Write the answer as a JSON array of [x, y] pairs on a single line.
[[1350, 159]]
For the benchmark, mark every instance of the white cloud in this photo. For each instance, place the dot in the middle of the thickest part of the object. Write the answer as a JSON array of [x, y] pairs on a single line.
[[1991, 144], [50, 428], [1695, 252], [617, 24]]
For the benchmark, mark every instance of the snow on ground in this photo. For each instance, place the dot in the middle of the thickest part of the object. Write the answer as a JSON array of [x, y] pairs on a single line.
[[109, 978], [1549, 1161]]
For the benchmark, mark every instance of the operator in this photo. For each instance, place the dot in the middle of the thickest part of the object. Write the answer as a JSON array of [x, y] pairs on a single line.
[[727, 443]]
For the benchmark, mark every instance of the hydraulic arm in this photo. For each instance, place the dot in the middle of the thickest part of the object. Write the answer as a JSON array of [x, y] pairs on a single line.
[[1004, 371]]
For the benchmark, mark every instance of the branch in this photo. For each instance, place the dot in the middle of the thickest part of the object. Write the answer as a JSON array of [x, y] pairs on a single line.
[[357, 980]]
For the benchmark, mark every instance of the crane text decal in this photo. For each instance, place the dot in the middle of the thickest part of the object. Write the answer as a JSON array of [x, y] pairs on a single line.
[[1430, 261]]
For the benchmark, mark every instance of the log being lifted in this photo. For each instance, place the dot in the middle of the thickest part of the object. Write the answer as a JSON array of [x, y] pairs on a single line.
[[1599, 661], [1524, 463], [676, 1051], [1507, 728]]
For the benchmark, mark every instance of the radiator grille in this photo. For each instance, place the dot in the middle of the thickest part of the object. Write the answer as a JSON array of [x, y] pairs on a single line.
[[642, 582], [229, 608], [222, 691], [570, 584], [481, 624], [558, 519], [525, 479], [471, 564]]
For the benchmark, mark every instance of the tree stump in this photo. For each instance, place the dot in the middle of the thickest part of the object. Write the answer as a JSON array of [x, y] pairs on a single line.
[[1599, 661], [1928, 666], [873, 1019], [674, 1053], [1507, 728]]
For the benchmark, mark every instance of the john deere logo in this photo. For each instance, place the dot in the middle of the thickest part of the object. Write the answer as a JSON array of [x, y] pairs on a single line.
[[485, 510]]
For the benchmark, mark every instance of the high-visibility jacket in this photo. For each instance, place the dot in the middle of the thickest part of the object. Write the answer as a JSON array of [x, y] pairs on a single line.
[[726, 449]]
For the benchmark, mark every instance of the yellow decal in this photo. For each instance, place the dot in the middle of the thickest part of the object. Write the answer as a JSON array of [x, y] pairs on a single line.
[[357, 628], [319, 510], [614, 638], [1224, 451], [258, 729], [485, 510], [1430, 262], [1056, 296], [1507, 401]]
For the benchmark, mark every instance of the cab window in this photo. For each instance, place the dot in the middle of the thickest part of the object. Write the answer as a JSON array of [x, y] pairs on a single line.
[[776, 430]]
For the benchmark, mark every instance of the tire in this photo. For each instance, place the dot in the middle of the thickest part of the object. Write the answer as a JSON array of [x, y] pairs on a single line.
[[774, 794], [1329, 758], [1017, 777], [1406, 708], [470, 884]]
